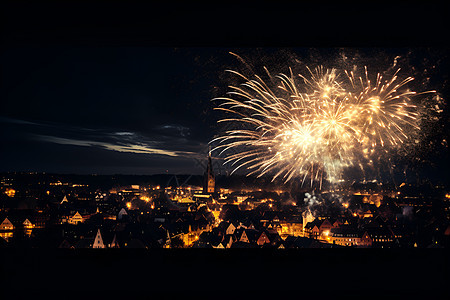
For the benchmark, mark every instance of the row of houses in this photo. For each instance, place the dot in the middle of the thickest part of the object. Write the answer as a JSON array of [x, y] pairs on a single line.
[[7, 225], [229, 235], [344, 233]]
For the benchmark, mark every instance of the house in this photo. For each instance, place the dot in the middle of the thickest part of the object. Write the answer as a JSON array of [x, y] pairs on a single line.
[[27, 224], [273, 237], [382, 237], [263, 239], [122, 213], [75, 219], [230, 229], [344, 236], [286, 228], [244, 238], [247, 236], [98, 241], [311, 229], [324, 229], [365, 240], [6, 225]]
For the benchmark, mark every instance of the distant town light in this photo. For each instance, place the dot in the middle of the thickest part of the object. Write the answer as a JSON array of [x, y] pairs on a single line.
[[10, 193], [145, 198]]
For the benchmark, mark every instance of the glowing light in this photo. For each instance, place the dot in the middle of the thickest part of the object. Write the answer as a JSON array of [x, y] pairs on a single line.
[[314, 126], [128, 205], [145, 198], [10, 193]]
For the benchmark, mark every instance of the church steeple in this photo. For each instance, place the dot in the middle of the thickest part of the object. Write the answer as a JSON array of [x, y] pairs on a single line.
[[209, 180]]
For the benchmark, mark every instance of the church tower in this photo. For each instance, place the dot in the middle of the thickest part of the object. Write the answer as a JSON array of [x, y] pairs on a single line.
[[209, 182]]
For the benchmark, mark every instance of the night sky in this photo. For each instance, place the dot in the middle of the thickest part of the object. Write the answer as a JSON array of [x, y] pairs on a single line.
[[135, 110], [131, 95]]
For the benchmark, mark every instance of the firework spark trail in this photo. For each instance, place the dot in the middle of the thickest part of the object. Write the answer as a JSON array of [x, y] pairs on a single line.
[[315, 125]]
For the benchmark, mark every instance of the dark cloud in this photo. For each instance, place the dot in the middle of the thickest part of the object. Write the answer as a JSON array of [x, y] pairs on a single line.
[[153, 102]]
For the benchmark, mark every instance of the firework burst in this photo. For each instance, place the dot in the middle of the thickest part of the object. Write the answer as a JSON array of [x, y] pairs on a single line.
[[314, 126]]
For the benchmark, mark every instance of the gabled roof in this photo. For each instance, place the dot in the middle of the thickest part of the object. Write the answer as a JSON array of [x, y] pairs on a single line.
[[326, 222], [310, 225], [64, 200], [219, 246], [65, 244], [231, 227], [27, 222], [114, 243], [98, 241], [273, 235], [6, 223], [264, 236]]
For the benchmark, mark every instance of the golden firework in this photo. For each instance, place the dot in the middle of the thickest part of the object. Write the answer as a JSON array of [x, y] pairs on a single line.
[[314, 125]]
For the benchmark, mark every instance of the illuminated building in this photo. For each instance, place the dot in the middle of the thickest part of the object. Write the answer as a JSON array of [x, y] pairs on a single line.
[[365, 240], [307, 218], [6, 225], [6, 229], [98, 242], [209, 183], [319, 229], [381, 237], [344, 236], [10, 193], [75, 219], [27, 224], [230, 229], [122, 213], [263, 239], [290, 228]]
